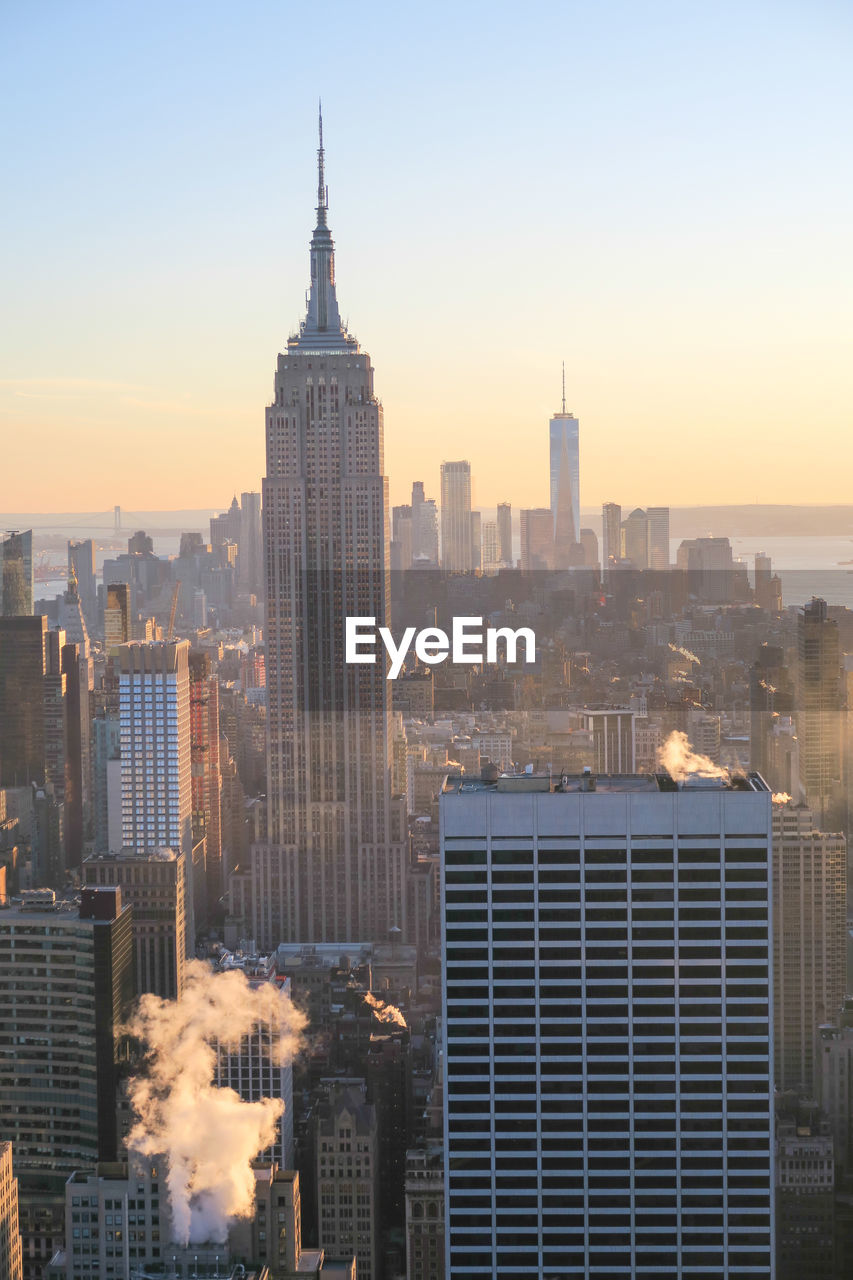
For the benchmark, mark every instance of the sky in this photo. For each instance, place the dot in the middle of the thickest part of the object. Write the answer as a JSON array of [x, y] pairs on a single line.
[[658, 194]]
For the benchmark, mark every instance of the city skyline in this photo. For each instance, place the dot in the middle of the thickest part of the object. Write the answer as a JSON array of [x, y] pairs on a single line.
[[682, 252]]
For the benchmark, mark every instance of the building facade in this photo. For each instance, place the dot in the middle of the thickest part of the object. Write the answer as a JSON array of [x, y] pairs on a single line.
[[154, 885], [82, 567], [564, 454], [16, 574], [250, 559], [66, 989], [834, 1084], [425, 1213], [658, 518], [805, 1201], [456, 539], [254, 1069], [611, 535], [347, 1173], [607, 1022], [154, 720], [504, 520], [118, 625], [10, 1238], [613, 738], [206, 782], [809, 940], [819, 710], [23, 643], [537, 539]]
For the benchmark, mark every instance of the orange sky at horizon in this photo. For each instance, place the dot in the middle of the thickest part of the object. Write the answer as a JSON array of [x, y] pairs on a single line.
[[663, 201]]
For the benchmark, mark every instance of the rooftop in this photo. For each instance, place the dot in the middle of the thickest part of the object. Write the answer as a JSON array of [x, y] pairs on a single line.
[[525, 783]]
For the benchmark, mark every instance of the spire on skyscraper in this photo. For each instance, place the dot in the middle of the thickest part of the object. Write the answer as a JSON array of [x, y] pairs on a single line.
[[322, 328], [322, 189], [564, 386]]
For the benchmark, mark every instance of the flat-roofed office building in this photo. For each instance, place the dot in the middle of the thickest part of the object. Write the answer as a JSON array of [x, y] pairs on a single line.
[[607, 1005]]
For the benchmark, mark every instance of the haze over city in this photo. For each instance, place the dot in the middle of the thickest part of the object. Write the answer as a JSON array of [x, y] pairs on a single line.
[[654, 194], [426, 643]]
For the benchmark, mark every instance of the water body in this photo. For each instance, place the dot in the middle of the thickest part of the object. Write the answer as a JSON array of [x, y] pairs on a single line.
[[808, 566]]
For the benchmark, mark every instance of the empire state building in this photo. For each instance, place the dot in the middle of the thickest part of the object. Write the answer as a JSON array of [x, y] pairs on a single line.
[[336, 861]]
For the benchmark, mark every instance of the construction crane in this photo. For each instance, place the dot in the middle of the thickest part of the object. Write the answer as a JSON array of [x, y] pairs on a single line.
[[173, 610]]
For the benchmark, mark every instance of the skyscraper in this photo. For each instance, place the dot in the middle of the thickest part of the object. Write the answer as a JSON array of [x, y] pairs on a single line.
[[611, 531], [709, 568], [41, 709], [564, 430], [154, 886], [118, 625], [16, 574], [819, 716], [809, 939], [81, 566], [658, 518], [424, 527], [338, 839], [607, 1030], [537, 539], [505, 531], [491, 554], [476, 540], [635, 538], [250, 561], [206, 780], [765, 591], [770, 696], [154, 713], [402, 535], [226, 527], [66, 988], [23, 644], [456, 538]]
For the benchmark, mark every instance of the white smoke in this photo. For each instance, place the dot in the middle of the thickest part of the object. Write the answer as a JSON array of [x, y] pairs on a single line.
[[681, 761], [385, 1012], [163, 855], [208, 1135], [685, 653]]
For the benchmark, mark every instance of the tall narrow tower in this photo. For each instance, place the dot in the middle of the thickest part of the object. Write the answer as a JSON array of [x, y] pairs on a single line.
[[564, 447], [336, 838], [456, 540]]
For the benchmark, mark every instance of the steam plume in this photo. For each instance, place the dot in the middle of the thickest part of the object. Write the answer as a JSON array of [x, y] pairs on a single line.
[[385, 1012], [208, 1136], [781, 797], [163, 855], [685, 653], [681, 761]]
